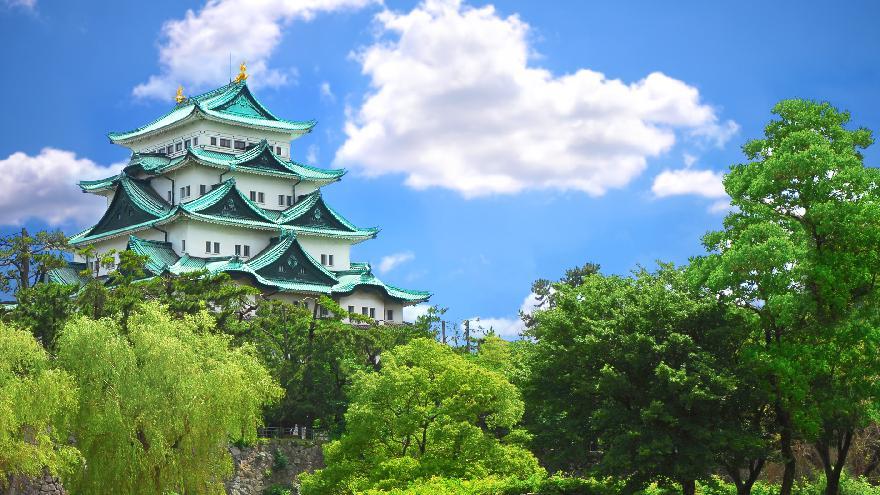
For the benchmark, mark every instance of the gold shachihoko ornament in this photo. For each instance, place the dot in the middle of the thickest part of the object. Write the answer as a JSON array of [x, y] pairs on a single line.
[[242, 73], [180, 98]]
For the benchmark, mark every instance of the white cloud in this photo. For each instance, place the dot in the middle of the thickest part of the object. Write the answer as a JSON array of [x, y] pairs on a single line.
[[687, 181], [194, 51], [312, 154], [388, 263], [689, 160], [510, 327], [326, 92], [411, 313], [24, 4], [456, 103], [44, 187], [680, 182]]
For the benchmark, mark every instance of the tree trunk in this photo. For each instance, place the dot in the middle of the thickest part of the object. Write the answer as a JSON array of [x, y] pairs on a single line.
[[689, 487], [786, 447], [833, 468]]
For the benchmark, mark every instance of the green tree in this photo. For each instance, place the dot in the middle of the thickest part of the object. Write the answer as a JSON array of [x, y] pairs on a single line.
[[36, 404], [645, 367], [315, 358], [25, 259], [801, 251], [428, 412], [43, 309], [160, 400]]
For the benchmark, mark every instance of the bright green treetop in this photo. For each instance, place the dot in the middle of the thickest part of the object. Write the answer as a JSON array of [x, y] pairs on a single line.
[[801, 251], [160, 401], [427, 412]]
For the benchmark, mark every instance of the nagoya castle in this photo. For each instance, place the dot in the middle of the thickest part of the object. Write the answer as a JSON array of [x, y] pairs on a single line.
[[211, 185]]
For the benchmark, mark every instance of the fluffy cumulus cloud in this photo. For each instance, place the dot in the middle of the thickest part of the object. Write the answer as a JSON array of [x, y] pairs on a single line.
[[388, 263], [456, 102], [705, 183], [44, 187], [194, 51], [687, 181], [411, 313]]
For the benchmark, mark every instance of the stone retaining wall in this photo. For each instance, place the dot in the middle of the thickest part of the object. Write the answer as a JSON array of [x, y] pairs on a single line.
[[255, 469]]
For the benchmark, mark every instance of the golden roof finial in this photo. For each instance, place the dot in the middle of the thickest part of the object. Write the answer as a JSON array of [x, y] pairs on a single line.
[[242, 73], [180, 98]]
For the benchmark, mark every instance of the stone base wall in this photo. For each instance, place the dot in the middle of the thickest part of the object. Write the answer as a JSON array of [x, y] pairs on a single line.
[[277, 461], [47, 485]]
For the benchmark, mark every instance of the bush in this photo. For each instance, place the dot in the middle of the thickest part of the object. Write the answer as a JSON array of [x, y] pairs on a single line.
[[278, 489], [279, 460]]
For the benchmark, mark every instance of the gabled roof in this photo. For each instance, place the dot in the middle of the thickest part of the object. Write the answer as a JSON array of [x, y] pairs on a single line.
[[261, 160], [312, 214], [233, 103], [136, 206], [227, 205], [361, 276]]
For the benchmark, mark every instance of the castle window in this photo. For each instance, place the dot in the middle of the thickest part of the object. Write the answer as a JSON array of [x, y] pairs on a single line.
[[364, 310], [261, 198], [207, 246], [169, 150], [289, 200], [278, 150], [324, 312], [187, 144], [224, 143], [216, 248], [351, 309], [253, 195], [329, 260], [238, 249], [183, 245], [178, 146], [203, 189], [323, 259], [184, 192], [213, 141], [169, 196], [195, 141], [280, 200], [247, 251], [389, 315], [240, 145], [373, 313]]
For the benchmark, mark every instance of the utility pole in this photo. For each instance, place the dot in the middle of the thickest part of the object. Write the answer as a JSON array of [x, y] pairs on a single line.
[[443, 331], [467, 336]]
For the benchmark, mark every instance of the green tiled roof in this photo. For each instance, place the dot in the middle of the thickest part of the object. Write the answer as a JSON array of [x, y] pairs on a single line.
[[232, 103], [136, 206], [160, 255], [69, 274], [313, 215], [361, 275], [225, 205], [99, 184], [300, 272]]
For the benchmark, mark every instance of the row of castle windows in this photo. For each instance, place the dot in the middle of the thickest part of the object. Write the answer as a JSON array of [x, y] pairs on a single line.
[[237, 144]]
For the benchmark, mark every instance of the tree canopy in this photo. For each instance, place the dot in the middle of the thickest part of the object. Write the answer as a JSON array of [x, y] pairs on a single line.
[[427, 412], [159, 401]]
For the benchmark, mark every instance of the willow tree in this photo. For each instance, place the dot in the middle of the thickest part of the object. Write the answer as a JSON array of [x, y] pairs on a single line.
[[36, 403], [801, 251], [160, 400]]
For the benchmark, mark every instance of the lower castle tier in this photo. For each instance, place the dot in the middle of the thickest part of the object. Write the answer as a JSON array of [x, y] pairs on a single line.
[[208, 202]]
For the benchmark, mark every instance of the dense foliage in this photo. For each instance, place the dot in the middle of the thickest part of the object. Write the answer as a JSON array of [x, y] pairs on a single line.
[[427, 412], [159, 401]]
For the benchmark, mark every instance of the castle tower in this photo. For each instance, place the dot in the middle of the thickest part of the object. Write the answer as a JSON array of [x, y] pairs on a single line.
[[211, 186]]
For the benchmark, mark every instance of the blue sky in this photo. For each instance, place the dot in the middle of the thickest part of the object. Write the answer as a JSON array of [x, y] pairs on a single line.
[[518, 140]]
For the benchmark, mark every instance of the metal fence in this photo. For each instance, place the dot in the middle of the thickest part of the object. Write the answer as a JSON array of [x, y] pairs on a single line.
[[303, 432]]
